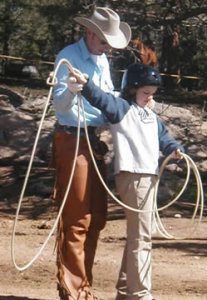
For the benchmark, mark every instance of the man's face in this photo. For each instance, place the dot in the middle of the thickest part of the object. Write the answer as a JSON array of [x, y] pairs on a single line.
[[96, 45]]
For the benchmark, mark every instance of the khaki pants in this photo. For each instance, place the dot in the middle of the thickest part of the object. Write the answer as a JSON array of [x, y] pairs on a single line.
[[83, 217], [136, 190]]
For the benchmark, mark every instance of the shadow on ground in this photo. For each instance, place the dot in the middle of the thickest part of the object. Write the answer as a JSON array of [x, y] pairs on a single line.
[[15, 298]]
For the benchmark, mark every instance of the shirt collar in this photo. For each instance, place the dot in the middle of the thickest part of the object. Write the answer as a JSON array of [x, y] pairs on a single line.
[[84, 50]]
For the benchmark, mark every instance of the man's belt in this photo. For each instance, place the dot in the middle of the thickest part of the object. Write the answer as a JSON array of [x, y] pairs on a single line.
[[99, 147], [74, 130]]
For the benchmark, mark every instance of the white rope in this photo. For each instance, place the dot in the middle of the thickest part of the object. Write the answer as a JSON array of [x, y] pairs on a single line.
[[52, 81], [39, 252], [198, 205]]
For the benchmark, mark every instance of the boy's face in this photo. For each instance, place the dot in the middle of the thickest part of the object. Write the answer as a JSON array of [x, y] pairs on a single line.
[[145, 94]]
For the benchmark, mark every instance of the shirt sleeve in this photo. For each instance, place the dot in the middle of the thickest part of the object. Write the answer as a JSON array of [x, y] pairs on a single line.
[[167, 143], [63, 99], [114, 108]]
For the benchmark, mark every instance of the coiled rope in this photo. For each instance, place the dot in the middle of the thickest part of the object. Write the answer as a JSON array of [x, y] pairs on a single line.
[[159, 225], [199, 203], [51, 81]]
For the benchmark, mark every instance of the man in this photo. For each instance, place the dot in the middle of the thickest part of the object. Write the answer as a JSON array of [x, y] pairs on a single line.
[[85, 211]]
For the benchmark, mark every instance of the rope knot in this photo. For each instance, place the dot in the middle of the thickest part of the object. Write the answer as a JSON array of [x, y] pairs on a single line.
[[51, 80]]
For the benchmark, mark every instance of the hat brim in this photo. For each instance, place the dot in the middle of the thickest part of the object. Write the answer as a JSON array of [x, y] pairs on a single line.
[[118, 41]]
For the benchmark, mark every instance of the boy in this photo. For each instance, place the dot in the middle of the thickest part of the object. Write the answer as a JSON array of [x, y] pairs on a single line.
[[138, 136]]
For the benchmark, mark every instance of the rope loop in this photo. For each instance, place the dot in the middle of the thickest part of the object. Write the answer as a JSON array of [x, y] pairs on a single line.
[[51, 80]]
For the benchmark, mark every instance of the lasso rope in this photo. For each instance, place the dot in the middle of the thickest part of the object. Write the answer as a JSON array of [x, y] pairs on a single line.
[[52, 81], [199, 199]]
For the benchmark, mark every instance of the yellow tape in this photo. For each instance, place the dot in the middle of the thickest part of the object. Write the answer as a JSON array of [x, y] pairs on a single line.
[[24, 59], [52, 63], [180, 76]]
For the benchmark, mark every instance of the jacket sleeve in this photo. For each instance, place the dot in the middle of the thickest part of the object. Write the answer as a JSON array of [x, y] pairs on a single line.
[[167, 143], [114, 108]]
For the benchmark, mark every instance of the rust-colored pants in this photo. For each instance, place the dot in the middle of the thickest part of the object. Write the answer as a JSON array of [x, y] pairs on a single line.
[[83, 217]]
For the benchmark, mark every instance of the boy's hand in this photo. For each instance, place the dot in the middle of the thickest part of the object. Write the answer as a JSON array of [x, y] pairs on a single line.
[[151, 102], [177, 154], [73, 86], [80, 77]]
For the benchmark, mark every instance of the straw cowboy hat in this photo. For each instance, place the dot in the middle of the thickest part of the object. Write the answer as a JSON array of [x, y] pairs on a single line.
[[105, 23]]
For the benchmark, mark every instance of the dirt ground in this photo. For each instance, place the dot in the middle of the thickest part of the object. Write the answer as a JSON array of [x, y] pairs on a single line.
[[179, 266]]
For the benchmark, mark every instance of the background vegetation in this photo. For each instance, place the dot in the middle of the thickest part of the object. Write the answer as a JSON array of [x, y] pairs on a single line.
[[36, 30]]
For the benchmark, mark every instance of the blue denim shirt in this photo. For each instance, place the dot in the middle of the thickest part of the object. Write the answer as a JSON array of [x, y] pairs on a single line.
[[64, 102]]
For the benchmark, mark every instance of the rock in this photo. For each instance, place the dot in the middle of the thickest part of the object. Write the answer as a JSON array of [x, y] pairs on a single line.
[[178, 216]]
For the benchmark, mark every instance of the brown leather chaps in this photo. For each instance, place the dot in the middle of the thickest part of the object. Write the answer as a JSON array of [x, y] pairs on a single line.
[[83, 217]]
